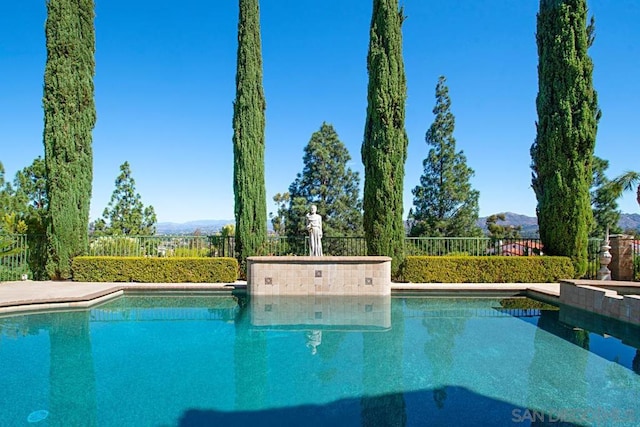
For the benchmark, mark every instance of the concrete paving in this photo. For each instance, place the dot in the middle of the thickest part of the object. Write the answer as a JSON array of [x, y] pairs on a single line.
[[27, 296]]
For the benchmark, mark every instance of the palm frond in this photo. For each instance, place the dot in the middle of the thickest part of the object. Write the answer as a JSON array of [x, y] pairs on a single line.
[[625, 182]]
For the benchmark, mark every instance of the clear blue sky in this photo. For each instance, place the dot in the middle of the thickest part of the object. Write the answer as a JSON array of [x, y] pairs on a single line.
[[165, 84]]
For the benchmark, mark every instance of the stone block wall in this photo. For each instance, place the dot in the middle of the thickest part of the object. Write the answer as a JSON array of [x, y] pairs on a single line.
[[371, 312], [606, 302], [330, 275]]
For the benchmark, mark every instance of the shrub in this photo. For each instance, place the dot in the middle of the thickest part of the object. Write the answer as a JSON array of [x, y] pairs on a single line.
[[484, 269], [458, 253], [154, 270]]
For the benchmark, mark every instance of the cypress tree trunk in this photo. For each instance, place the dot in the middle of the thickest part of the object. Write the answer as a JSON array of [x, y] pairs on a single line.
[[248, 137], [69, 118], [568, 116], [384, 149]]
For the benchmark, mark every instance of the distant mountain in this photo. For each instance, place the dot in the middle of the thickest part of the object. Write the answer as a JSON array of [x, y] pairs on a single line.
[[530, 223], [629, 221], [205, 226]]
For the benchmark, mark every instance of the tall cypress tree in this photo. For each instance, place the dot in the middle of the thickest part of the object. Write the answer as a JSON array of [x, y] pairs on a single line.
[[248, 136], [384, 149], [445, 203], [568, 116], [69, 118]]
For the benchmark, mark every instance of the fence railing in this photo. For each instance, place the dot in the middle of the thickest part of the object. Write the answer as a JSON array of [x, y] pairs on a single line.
[[636, 260], [12, 267], [474, 246], [151, 246], [14, 257], [593, 265], [331, 246]]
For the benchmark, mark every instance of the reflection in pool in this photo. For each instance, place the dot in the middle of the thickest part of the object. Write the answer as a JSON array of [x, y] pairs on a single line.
[[222, 360]]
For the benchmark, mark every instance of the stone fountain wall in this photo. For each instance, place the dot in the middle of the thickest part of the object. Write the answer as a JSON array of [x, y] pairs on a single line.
[[603, 301], [328, 275]]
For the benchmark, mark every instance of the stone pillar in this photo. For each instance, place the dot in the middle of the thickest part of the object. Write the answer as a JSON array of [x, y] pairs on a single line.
[[621, 257]]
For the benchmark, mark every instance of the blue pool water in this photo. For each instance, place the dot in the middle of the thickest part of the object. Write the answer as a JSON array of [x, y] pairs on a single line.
[[222, 360]]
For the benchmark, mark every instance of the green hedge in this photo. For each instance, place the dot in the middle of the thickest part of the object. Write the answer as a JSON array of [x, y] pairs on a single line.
[[154, 270], [486, 269]]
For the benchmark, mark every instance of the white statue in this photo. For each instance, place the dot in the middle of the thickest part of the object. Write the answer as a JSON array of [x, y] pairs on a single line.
[[314, 226], [314, 339]]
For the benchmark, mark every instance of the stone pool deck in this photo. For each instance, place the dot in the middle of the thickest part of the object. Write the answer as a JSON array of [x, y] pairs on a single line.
[[27, 296]]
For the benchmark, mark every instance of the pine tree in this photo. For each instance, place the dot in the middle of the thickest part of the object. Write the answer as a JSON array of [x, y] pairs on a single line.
[[31, 188], [69, 118], [603, 201], [32, 206], [327, 182], [568, 114], [248, 137], [126, 215], [7, 198], [27, 197], [445, 204], [279, 219], [384, 149]]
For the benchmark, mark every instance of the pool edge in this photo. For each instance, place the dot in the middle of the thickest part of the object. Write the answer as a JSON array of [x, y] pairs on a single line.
[[30, 297]]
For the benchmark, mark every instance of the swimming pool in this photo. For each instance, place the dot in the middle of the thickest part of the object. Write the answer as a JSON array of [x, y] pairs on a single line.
[[223, 360]]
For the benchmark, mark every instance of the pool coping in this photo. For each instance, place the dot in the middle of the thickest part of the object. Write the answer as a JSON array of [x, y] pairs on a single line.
[[34, 296]]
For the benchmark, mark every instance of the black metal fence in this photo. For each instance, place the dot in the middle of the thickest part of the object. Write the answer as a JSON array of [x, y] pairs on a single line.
[[24, 254], [593, 251], [472, 246], [14, 257], [636, 259], [151, 246]]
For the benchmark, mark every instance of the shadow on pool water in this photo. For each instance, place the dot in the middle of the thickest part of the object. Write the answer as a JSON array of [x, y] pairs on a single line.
[[447, 406]]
